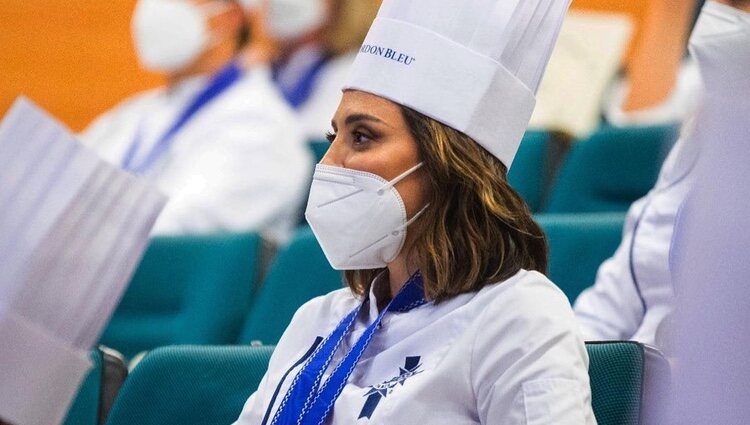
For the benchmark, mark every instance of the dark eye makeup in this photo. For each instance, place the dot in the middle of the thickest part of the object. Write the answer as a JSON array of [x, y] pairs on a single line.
[[360, 137]]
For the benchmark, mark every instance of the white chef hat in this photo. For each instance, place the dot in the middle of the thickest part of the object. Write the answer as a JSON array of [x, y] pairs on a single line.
[[474, 65], [289, 19]]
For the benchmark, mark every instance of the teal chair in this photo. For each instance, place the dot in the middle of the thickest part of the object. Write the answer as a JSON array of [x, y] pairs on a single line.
[[528, 173], [299, 273], [190, 385], [629, 383], [187, 290], [209, 385], [319, 148], [578, 245], [610, 170], [99, 389]]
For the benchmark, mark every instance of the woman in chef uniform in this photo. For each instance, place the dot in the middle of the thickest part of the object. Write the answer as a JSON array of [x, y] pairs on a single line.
[[218, 139], [450, 321]]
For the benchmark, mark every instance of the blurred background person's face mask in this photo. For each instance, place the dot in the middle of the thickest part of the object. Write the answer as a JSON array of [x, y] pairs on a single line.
[[721, 44], [170, 35], [292, 19]]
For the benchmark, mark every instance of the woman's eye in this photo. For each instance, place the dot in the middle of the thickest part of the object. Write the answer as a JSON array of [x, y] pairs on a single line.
[[360, 138], [330, 136]]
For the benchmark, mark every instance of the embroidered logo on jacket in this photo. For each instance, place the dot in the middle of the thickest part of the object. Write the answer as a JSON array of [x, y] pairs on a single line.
[[382, 390]]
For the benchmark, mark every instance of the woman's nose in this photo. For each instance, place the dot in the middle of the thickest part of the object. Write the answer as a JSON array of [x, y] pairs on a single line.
[[335, 155]]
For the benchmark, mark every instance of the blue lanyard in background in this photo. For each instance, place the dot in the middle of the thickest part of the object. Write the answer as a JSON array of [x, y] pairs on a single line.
[[223, 79], [299, 94], [309, 403]]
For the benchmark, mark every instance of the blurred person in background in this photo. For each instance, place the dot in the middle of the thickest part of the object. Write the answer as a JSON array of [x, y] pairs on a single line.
[[314, 43], [661, 85], [633, 295], [218, 139]]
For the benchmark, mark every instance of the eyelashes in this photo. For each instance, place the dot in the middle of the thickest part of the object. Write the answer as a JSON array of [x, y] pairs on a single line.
[[359, 138]]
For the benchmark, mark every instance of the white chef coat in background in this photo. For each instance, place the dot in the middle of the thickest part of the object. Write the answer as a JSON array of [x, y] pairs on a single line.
[[239, 164], [633, 292], [508, 354], [316, 112]]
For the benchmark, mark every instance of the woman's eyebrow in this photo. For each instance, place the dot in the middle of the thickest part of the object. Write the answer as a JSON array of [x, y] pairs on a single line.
[[351, 119]]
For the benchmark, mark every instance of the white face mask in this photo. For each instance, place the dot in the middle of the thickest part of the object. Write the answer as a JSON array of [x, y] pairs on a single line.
[[170, 34], [358, 218], [290, 19], [721, 44]]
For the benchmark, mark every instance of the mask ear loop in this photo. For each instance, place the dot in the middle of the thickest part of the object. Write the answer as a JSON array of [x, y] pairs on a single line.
[[403, 175], [393, 183], [411, 220]]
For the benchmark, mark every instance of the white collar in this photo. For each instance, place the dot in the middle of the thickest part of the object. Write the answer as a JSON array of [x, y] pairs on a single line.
[[377, 290]]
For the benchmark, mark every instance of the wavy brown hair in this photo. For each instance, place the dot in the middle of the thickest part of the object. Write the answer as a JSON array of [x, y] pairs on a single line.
[[477, 230]]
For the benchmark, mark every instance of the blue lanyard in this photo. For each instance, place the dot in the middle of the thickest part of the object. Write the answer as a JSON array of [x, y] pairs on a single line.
[[297, 95], [307, 402], [218, 84]]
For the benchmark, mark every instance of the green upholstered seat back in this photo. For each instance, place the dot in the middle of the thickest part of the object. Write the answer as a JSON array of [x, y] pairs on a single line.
[[99, 389], [190, 385], [610, 170], [616, 374], [318, 149], [299, 273], [529, 170], [85, 408], [187, 290], [209, 385], [578, 245]]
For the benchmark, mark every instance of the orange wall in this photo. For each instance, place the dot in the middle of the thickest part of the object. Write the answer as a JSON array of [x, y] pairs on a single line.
[[74, 58]]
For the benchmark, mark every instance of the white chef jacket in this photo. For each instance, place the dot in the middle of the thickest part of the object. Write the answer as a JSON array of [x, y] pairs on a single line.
[[633, 292], [316, 112], [240, 163], [508, 354]]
